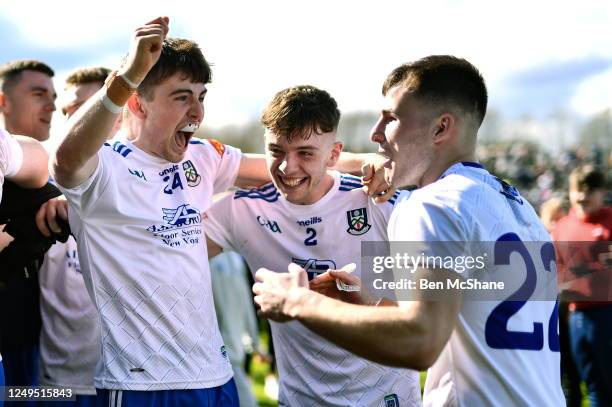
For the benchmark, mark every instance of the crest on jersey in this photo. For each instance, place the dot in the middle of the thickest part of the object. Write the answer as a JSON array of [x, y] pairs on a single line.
[[391, 400], [191, 174], [357, 221]]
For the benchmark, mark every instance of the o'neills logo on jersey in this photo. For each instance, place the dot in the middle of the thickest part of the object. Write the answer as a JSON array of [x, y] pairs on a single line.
[[311, 221], [182, 227], [357, 221]]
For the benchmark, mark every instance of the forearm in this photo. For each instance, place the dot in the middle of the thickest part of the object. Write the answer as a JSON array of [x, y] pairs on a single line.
[[87, 131], [394, 336], [352, 163], [253, 171]]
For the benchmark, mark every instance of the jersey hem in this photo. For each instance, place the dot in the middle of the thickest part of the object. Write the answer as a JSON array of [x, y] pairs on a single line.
[[140, 386]]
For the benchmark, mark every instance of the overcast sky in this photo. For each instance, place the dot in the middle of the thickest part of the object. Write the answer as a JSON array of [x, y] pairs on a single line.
[[537, 56]]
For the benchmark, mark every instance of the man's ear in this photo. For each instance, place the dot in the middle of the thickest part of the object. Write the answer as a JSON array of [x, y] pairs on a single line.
[[444, 127], [3, 102], [136, 107], [335, 154]]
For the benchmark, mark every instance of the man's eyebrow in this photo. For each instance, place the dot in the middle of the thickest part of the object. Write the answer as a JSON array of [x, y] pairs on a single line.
[[189, 91], [176, 92], [43, 90]]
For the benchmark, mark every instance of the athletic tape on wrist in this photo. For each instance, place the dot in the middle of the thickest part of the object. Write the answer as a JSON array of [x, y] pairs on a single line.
[[129, 82], [110, 105], [117, 89]]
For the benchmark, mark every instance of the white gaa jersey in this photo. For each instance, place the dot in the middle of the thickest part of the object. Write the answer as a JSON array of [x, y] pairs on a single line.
[[70, 336], [271, 232], [11, 158], [142, 251], [483, 364]]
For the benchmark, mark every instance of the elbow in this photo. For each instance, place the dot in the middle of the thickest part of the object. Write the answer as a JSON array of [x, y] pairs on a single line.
[[426, 358], [421, 349], [64, 162], [42, 179], [60, 167]]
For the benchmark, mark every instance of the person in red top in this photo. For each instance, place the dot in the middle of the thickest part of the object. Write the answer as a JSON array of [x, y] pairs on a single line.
[[584, 264]]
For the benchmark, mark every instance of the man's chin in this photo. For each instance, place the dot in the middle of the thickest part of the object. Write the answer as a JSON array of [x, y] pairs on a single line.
[[174, 158]]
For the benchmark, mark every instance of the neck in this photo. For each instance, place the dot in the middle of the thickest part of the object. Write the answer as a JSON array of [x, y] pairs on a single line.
[[435, 171], [8, 125]]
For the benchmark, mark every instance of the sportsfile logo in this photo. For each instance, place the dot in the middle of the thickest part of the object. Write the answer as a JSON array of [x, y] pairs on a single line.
[[270, 224], [182, 227]]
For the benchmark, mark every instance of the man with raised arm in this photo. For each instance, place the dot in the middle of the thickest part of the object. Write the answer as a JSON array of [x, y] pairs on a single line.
[[135, 210]]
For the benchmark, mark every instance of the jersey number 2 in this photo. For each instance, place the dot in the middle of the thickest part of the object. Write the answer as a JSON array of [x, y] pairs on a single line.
[[311, 239], [496, 329]]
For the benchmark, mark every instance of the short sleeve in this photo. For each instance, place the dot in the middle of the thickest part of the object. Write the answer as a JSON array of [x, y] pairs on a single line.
[[219, 223], [228, 163], [434, 227], [84, 197], [11, 155]]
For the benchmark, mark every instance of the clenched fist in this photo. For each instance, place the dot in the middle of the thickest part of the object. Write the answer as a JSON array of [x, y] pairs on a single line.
[[145, 49]]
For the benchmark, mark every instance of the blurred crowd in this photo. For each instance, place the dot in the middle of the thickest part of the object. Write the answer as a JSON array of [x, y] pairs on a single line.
[[538, 174]]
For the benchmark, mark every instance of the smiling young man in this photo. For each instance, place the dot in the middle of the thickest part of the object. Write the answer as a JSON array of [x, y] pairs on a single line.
[[317, 218], [427, 129], [27, 98]]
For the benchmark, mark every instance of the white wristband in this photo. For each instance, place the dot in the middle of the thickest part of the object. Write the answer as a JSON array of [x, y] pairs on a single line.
[[129, 82], [110, 106]]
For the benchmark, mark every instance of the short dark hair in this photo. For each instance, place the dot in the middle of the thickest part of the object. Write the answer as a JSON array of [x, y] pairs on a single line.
[[300, 111], [177, 56], [443, 81], [587, 177], [88, 75], [10, 72]]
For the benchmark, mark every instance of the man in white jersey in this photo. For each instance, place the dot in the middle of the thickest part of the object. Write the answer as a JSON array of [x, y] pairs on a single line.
[[318, 219], [481, 353], [70, 335], [135, 209], [23, 160]]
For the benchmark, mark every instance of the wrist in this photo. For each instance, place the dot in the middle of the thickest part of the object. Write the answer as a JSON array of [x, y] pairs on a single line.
[[132, 78], [118, 90], [297, 297]]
